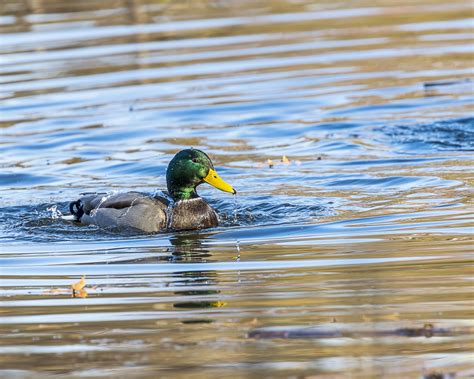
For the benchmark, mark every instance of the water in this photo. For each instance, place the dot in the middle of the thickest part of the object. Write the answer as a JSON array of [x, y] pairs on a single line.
[[352, 259]]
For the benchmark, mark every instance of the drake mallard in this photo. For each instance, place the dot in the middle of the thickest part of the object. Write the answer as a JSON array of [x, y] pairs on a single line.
[[184, 210]]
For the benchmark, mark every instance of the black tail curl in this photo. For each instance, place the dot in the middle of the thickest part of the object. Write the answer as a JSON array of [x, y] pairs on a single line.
[[76, 210]]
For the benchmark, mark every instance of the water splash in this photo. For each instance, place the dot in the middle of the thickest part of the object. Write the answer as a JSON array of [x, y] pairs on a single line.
[[169, 210], [130, 207], [55, 212], [102, 201], [236, 207], [169, 214], [160, 193], [237, 247], [237, 259]]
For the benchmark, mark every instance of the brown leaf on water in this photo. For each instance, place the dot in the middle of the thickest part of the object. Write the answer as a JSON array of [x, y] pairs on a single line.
[[78, 288], [218, 304], [284, 160], [81, 293], [80, 284]]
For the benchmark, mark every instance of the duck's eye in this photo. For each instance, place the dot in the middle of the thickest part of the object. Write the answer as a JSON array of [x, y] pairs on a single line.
[[195, 160]]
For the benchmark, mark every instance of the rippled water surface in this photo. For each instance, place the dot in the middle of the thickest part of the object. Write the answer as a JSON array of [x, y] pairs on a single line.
[[353, 259]]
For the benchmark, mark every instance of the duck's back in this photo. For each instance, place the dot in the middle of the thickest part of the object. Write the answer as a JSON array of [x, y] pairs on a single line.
[[131, 210]]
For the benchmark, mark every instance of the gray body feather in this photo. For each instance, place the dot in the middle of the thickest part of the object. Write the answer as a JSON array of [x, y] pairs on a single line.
[[138, 211]]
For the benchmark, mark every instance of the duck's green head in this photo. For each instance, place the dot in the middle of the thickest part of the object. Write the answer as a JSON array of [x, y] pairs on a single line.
[[187, 170]]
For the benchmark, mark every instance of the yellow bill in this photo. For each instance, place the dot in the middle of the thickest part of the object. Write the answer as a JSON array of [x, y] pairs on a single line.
[[215, 180]]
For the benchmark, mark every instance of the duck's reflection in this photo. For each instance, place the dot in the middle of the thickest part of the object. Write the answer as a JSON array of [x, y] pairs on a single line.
[[188, 248], [200, 285], [196, 290]]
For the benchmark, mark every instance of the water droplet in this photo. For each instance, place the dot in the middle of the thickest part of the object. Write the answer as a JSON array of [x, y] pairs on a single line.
[[129, 208], [236, 208], [237, 247], [169, 214], [102, 201]]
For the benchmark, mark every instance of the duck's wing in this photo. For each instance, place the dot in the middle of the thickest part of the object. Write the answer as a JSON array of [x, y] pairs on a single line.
[[131, 210], [92, 202]]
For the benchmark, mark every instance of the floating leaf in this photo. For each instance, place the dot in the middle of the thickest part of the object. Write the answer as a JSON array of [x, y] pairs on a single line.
[[78, 288], [81, 293], [80, 284], [218, 304]]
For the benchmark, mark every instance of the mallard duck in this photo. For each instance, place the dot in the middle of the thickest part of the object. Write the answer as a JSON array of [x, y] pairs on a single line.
[[185, 210]]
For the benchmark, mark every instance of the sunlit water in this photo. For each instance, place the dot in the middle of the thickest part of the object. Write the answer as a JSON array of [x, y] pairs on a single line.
[[353, 259]]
